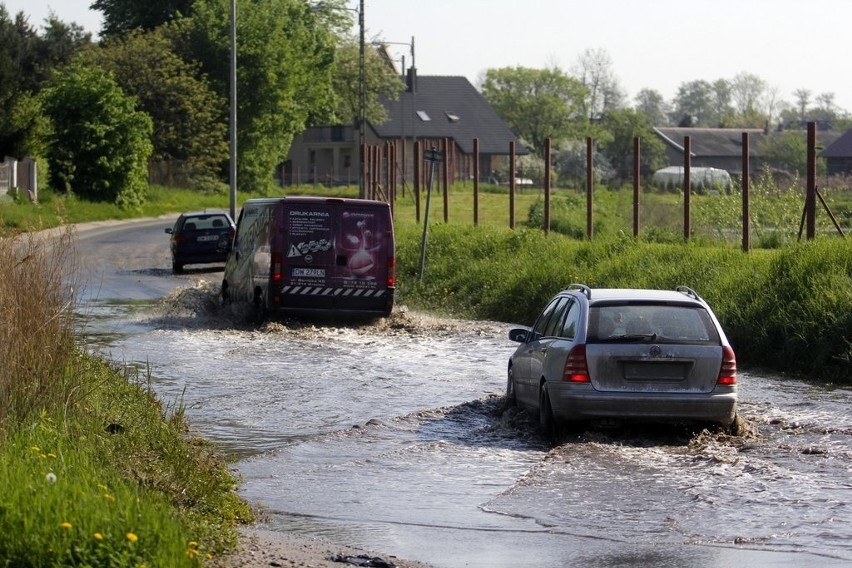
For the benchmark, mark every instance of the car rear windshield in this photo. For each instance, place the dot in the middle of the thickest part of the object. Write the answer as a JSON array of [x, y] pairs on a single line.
[[662, 323], [205, 223]]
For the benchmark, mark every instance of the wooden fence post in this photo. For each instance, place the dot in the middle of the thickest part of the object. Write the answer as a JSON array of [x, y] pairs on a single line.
[[745, 189], [637, 172]]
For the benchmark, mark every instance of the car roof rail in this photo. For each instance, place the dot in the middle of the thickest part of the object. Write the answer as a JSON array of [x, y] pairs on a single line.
[[583, 288], [686, 290]]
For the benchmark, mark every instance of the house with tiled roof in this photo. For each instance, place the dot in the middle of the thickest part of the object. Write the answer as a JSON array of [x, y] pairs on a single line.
[[430, 110]]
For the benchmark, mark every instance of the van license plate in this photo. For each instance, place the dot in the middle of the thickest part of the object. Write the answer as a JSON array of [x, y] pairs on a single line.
[[309, 272]]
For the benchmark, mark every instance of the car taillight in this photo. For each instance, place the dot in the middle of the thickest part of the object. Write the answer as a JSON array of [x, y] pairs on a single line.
[[180, 238], [391, 271], [728, 372], [277, 266], [576, 369]]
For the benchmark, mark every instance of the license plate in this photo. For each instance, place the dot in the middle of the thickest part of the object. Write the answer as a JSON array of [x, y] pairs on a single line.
[[309, 272], [204, 238]]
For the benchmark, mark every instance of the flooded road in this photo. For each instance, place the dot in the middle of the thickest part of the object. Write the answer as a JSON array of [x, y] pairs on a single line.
[[391, 437]]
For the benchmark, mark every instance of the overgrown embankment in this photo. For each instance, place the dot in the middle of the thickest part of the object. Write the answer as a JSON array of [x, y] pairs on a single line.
[[95, 471], [788, 309]]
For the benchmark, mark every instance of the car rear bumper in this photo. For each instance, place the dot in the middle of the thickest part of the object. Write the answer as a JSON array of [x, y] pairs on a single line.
[[199, 258], [572, 402]]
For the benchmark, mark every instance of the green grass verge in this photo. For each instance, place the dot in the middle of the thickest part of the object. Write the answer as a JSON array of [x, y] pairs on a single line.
[[95, 470]]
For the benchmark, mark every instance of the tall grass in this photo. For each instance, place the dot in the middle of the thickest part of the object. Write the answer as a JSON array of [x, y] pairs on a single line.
[[36, 325], [95, 471]]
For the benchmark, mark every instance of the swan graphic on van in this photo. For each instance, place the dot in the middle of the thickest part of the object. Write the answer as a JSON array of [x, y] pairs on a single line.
[[312, 256]]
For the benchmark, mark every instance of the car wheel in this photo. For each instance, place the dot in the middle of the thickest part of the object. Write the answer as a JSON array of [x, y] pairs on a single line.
[[546, 420], [511, 398], [177, 268], [737, 427]]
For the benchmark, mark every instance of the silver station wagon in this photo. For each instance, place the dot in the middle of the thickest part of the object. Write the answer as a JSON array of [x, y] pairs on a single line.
[[612, 355]]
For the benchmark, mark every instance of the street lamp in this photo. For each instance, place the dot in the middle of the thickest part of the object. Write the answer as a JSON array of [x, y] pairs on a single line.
[[362, 97], [362, 101], [233, 113]]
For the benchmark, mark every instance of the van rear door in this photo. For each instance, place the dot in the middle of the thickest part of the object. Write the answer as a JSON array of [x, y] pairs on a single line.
[[334, 254]]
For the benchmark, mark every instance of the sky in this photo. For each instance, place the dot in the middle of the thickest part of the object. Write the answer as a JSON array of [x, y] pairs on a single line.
[[655, 44]]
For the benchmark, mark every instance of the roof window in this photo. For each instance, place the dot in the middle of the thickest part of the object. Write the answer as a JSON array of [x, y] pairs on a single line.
[[451, 116], [424, 116]]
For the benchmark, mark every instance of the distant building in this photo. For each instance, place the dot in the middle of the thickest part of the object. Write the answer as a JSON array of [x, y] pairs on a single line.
[[722, 148], [838, 155], [430, 110]]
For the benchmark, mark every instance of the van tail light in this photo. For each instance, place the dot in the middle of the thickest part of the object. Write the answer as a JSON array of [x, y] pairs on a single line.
[[277, 266], [576, 368], [728, 372], [391, 271]]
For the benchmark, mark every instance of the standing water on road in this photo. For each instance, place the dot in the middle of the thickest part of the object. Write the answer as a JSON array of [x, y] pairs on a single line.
[[391, 436]]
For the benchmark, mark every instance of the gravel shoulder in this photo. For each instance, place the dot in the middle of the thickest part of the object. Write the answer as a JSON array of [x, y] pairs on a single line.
[[260, 548]]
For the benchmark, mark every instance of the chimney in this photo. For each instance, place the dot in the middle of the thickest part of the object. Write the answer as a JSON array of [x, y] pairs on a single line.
[[411, 80]]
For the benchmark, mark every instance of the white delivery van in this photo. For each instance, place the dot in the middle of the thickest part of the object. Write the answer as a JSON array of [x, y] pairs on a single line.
[[312, 256]]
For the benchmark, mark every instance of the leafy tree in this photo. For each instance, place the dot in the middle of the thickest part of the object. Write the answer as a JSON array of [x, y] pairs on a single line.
[[786, 151], [693, 104], [190, 124], [122, 16], [285, 63], [748, 92], [569, 162], [382, 82], [721, 110], [100, 143], [654, 106], [803, 101], [594, 69], [26, 60], [537, 104], [623, 125]]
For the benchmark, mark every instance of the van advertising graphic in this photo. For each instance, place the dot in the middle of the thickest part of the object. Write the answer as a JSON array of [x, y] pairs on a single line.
[[340, 248]]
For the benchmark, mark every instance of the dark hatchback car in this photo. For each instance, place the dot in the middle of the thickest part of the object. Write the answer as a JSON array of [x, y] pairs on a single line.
[[200, 237], [614, 355]]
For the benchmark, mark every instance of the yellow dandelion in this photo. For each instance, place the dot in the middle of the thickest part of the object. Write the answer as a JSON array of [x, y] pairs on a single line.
[[51, 455], [35, 449], [191, 553], [132, 537], [109, 497], [98, 536], [66, 525], [192, 544], [103, 487]]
